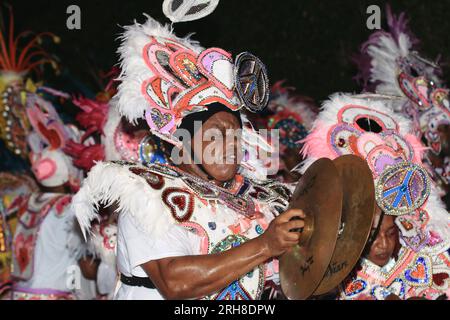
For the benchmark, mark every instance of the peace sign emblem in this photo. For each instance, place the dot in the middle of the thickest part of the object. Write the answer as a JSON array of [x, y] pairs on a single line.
[[251, 81], [402, 188]]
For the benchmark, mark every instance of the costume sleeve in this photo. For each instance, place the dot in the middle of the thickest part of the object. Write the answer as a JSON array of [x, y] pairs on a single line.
[[142, 247]]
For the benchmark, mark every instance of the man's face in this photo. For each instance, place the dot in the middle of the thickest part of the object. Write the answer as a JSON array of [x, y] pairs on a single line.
[[383, 247], [219, 142]]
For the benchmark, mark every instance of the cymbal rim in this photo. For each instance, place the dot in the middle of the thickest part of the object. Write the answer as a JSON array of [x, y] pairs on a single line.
[[344, 259], [300, 276]]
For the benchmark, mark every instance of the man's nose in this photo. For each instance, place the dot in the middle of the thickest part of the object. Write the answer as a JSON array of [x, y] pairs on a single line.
[[383, 243]]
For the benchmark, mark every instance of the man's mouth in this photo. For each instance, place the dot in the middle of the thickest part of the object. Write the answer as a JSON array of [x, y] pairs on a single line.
[[382, 256]]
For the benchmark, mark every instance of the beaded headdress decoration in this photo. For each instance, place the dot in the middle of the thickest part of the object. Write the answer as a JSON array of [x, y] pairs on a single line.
[[123, 141], [164, 78], [389, 65], [364, 126], [17, 58], [14, 124]]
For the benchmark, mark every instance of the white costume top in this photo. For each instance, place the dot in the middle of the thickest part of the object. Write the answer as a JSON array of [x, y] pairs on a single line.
[[167, 213], [46, 252], [133, 249]]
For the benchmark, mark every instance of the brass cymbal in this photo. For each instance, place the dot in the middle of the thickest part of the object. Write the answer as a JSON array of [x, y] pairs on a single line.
[[319, 195], [358, 209]]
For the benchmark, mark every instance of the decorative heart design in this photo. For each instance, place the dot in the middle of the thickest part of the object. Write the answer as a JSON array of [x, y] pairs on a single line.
[[184, 62], [355, 287], [439, 278], [380, 157], [22, 249], [216, 64], [397, 287], [418, 273], [46, 122], [180, 203], [159, 121]]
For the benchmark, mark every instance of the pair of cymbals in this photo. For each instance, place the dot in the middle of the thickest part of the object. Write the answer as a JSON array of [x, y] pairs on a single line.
[[338, 199]]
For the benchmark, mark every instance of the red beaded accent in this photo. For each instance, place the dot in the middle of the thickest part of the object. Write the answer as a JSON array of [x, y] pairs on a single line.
[[180, 203], [154, 180]]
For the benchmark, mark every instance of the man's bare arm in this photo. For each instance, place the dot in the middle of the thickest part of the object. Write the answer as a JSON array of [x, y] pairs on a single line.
[[191, 277]]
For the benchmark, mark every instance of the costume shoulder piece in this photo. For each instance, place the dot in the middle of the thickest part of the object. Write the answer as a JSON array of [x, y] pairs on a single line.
[[135, 189], [274, 194]]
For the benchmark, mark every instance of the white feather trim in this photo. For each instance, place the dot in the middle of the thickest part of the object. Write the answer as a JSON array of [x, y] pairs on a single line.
[[385, 55], [256, 146], [109, 129], [131, 103], [110, 183]]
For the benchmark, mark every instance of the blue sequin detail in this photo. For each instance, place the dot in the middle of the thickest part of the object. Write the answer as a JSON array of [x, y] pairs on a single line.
[[212, 225], [408, 277], [259, 229], [402, 191]]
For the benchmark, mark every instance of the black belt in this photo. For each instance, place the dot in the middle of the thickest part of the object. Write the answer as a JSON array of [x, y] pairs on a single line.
[[137, 281]]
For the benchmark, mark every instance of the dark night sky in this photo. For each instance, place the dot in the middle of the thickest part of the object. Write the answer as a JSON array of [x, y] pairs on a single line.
[[306, 42]]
